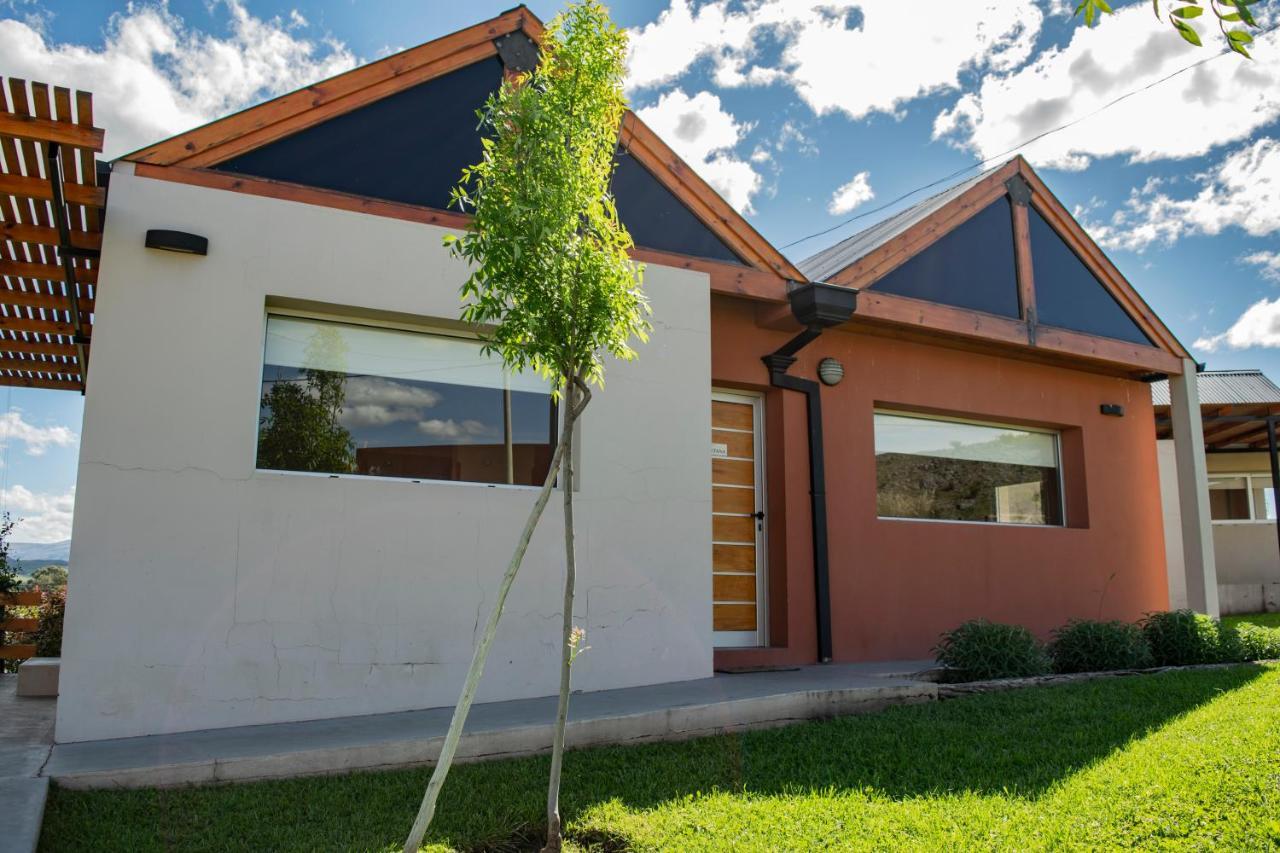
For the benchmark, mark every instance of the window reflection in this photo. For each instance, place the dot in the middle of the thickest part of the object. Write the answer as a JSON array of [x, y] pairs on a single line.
[[340, 398], [947, 470]]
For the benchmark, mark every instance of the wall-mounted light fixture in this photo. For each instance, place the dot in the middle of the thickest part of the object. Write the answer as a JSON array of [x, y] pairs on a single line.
[[830, 371], [1115, 410], [177, 241]]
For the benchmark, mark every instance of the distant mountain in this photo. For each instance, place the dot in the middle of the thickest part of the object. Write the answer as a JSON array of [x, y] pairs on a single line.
[[42, 553]]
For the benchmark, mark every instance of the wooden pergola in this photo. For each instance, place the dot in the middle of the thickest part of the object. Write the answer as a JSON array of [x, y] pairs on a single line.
[[51, 214]]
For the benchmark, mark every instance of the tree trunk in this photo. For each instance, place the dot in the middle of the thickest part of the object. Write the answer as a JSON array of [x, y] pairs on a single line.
[[567, 648], [427, 810]]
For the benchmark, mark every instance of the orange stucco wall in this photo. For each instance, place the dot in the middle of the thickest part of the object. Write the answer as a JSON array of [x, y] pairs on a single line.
[[896, 585]]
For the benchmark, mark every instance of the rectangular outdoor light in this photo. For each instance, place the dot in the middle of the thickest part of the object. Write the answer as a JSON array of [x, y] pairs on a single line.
[[177, 241]]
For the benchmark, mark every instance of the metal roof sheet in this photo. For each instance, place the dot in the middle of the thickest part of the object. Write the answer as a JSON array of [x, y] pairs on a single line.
[[829, 261], [1225, 388]]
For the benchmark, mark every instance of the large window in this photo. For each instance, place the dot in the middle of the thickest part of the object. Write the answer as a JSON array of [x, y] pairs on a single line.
[[347, 399], [1241, 497], [949, 470]]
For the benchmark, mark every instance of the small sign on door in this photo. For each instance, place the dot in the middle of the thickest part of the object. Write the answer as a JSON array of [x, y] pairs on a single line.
[[718, 450]]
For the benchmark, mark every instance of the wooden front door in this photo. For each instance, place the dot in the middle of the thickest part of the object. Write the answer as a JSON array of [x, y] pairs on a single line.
[[737, 520]]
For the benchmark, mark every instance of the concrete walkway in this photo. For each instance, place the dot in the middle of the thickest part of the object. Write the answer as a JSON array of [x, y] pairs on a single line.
[[26, 736], [495, 730]]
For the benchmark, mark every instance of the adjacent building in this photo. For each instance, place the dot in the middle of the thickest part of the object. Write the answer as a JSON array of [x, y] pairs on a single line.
[[1236, 407]]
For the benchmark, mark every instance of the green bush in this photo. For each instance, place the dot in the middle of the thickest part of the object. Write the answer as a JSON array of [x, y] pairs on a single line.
[[1184, 637], [1083, 645], [979, 650], [1255, 642]]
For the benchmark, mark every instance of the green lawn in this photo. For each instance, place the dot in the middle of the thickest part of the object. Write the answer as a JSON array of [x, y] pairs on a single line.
[[1266, 620], [1187, 760]]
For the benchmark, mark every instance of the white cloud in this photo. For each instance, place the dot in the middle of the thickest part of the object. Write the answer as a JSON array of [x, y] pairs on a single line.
[[858, 58], [376, 401], [1221, 101], [1268, 264], [155, 76], [852, 194], [450, 428], [705, 134], [42, 517], [1243, 191], [37, 439]]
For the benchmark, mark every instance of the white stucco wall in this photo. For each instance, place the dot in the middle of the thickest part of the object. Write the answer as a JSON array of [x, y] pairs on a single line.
[[205, 594]]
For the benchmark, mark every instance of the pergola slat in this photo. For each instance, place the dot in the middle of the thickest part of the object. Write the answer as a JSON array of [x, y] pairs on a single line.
[[38, 189], [51, 130], [45, 272]]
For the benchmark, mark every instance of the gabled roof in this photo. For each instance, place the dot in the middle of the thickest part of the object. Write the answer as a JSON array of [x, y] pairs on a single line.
[[1127, 333], [831, 260], [1225, 388], [218, 142]]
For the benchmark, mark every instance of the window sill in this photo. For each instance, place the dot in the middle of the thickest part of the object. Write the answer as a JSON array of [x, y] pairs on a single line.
[[272, 472], [1004, 524]]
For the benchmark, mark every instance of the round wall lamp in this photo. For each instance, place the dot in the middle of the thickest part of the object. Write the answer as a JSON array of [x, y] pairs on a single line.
[[830, 371]]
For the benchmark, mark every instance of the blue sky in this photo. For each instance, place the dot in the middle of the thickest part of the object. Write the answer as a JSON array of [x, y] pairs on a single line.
[[801, 114]]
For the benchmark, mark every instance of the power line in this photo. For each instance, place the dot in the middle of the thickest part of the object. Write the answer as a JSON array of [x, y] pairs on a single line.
[[1023, 144]]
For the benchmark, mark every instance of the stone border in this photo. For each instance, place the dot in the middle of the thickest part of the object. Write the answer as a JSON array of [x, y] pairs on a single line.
[[997, 685]]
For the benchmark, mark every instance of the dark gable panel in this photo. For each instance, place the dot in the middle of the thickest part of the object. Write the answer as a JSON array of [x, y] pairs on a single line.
[[1069, 295], [411, 147], [659, 220], [972, 266]]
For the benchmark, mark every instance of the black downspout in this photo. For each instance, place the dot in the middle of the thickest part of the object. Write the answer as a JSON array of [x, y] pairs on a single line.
[[816, 306]]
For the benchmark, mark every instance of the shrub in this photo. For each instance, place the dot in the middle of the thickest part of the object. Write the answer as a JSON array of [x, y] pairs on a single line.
[[1183, 637], [1256, 642], [1083, 645], [48, 637], [979, 650]]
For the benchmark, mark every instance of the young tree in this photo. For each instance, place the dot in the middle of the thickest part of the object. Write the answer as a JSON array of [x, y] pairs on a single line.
[[552, 279]]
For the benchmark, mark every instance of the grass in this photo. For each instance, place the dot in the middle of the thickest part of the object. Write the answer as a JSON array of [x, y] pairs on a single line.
[[1266, 620], [1187, 759]]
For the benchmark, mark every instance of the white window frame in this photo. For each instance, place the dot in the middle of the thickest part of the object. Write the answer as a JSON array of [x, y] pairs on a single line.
[[1248, 478], [424, 328], [1057, 452]]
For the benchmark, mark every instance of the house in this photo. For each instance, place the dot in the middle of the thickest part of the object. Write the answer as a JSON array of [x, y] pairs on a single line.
[[300, 480], [1239, 410]]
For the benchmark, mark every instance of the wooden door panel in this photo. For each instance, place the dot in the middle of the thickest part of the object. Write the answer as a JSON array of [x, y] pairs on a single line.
[[740, 588], [732, 472], [733, 500], [740, 445], [732, 415], [734, 617], [733, 558], [733, 528]]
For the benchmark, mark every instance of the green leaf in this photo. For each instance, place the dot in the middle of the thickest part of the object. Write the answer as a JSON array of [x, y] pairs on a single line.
[[1187, 32], [1239, 48], [1239, 37], [1185, 12]]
